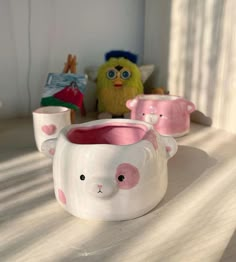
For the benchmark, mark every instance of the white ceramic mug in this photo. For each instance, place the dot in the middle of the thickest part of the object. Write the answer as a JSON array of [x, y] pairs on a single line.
[[48, 122], [110, 169]]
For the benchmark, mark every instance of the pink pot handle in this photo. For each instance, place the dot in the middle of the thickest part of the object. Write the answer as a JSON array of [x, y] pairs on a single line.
[[190, 107]]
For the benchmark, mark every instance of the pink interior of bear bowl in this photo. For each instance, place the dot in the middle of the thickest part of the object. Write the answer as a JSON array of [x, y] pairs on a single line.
[[115, 134]]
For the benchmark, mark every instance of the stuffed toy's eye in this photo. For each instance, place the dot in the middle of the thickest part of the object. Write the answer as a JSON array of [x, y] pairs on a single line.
[[111, 74], [125, 74], [82, 177]]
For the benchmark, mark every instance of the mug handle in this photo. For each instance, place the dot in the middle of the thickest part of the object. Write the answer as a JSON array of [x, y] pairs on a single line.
[[48, 147]]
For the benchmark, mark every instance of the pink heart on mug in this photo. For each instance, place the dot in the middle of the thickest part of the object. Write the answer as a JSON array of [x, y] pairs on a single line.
[[49, 129]]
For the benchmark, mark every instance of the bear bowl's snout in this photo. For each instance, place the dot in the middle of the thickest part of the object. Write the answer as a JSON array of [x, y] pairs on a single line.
[[101, 188]]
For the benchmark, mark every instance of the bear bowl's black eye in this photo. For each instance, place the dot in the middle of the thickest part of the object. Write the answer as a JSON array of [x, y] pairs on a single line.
[[161, 115], [143, 114], [121, 178], [82, 177]]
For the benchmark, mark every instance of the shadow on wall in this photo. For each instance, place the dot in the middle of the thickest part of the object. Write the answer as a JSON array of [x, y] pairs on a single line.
[[195, 78], [200, 57]]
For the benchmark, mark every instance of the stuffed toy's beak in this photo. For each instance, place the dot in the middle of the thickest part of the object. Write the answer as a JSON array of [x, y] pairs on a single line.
[[118, 83]]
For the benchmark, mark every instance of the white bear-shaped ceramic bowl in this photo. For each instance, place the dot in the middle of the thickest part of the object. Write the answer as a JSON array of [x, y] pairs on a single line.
[[111, 169]]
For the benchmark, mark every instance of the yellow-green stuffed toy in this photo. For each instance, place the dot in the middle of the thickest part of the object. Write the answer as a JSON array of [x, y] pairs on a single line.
[[118, 80]]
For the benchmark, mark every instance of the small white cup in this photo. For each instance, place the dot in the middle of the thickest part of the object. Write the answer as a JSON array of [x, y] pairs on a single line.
[[48, 122]]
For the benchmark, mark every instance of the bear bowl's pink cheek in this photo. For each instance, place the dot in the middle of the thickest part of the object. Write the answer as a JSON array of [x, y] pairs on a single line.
[[127, 176], [61, 196]]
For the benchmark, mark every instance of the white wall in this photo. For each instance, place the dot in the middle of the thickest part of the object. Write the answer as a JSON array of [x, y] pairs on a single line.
[[38, 35], [193, 45], [156, 47], [13, 56]]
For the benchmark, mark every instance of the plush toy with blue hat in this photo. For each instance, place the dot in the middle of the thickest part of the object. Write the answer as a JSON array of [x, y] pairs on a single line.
[[118, 80]]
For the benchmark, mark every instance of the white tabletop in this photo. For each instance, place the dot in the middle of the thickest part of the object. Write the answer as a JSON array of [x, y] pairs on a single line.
[[195, 221]]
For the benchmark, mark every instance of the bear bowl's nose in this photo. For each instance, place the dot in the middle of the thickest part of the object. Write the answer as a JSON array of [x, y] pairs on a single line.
[[101, 189]]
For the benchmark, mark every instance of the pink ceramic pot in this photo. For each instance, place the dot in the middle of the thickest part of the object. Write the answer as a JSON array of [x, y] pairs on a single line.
[[169, 115]]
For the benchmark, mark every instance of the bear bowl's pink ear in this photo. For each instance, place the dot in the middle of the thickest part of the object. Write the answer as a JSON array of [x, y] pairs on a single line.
[[48, 147], [170, 145], [131, 103]]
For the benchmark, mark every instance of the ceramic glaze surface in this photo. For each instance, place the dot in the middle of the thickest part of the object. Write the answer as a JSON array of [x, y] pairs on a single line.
[[114, 169], [169, 115]]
